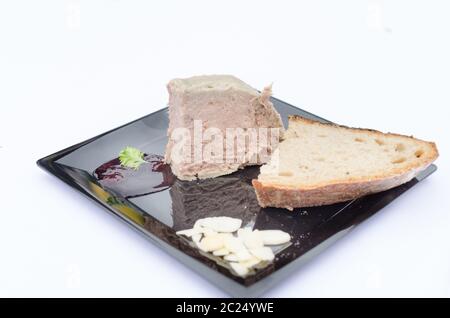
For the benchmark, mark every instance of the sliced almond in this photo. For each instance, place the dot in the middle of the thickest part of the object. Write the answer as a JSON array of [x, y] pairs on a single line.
[[231, 258], [222, 252], [243, 233], [197, 225], [251, 262], [240, 269], [196, 237], [244, 251], [274, 237], [253, 240], [208, 232], [263, 253], [188, 233], [234, 245], [243, 255], [200, 246], [223, 224], [212, 243]]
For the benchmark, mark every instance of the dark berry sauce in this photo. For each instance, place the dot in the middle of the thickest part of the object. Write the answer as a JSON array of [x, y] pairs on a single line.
[[152, 176]]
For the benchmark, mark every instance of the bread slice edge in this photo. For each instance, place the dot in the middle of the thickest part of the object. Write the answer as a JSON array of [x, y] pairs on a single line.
[[289, 197]]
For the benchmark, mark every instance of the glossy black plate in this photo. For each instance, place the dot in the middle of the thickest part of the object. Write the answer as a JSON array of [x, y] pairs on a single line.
[[167, 205]]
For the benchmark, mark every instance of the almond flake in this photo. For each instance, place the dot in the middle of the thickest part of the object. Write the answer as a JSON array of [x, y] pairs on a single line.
[[243, 255], [222, 224], [196, 237], [188, 233], [254, 240], [274, 237], [263, 253], [231, 258], [222, 252], [212, 243], [234, 245], [208, 232], [251, 262], [243, 233], [240, 269]]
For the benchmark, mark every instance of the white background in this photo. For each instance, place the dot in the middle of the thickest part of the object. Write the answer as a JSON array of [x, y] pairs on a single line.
[[70, 70]]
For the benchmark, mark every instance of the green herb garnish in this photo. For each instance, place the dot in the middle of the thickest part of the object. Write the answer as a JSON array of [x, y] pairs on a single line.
[[113, 201], [131, 157]]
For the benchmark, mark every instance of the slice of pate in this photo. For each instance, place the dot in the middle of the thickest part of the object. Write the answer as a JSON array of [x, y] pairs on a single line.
[[217, 125]]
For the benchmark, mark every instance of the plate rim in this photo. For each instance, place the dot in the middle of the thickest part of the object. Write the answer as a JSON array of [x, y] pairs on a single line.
[[231, 286]]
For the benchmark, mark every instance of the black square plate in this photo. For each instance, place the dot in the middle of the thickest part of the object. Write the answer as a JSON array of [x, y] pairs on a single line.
[[175, 206]]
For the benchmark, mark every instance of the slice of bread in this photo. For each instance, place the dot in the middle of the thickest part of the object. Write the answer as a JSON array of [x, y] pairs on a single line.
[[320, 164]]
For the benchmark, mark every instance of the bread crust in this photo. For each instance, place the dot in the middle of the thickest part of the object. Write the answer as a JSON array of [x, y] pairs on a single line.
[[290, 197]]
